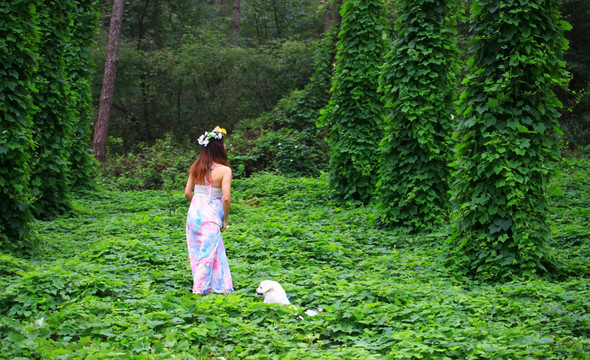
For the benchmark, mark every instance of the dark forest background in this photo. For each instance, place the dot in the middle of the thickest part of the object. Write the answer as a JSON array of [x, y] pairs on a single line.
[[183, 69]]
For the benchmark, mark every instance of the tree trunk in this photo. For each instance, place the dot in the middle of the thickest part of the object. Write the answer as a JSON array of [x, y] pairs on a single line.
[[277, 23], [234, 71], [328, 16], [143, 76], [332, 18], [99, 141], [236, 21]]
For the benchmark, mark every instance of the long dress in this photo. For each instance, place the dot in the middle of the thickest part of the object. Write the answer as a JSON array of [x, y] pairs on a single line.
[[205, 246]]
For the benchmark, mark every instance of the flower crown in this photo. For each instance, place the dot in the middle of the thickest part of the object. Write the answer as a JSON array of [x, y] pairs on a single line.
[[215, 134]]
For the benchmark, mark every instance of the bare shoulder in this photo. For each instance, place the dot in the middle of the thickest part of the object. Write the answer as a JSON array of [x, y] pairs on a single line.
[[225, 170]]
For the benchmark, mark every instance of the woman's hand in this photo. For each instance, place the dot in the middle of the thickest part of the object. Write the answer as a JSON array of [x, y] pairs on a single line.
[[223, 226]]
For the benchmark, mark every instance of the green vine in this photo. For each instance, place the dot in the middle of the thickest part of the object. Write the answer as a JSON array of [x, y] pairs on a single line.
[[18, 46], [418, 81], [316, 93], [54, 119], [78, 64], [353, 113], [507, 138]]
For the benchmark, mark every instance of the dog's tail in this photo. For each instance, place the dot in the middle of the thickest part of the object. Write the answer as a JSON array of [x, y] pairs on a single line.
[[312, 312]]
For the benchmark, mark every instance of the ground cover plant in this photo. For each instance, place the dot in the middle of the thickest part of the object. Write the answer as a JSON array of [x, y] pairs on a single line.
[[112, 281]]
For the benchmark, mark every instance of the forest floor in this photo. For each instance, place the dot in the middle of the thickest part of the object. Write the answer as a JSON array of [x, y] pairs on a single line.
[[113, 281]]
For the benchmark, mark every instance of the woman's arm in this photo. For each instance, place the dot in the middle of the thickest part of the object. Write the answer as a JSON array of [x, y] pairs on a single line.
[[188, 189], [226, 197]]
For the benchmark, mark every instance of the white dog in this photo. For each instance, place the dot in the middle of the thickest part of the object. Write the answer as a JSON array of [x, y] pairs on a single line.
[[274, 293]]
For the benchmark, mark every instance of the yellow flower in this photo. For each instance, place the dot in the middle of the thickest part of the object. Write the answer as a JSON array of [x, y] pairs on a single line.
[[222, 130]]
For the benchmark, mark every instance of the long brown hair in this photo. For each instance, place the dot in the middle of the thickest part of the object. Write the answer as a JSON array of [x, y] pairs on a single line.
[[213, 152]]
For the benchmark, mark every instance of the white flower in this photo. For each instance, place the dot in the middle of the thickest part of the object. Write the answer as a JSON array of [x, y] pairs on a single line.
[[217, 134], [204, 139]]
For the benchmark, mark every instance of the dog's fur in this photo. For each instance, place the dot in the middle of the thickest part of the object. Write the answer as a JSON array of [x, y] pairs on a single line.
[[273, 293]]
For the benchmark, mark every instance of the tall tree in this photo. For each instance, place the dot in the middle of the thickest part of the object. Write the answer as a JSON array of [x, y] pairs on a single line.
[[507, 143], [83, 29], [18, 47], [418, 81], [108, 83], [54, 118], [353, 113], [236, 22], [235, 40], [332, 14]]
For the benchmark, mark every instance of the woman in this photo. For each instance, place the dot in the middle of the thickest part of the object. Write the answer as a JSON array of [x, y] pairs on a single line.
[[208, 190]]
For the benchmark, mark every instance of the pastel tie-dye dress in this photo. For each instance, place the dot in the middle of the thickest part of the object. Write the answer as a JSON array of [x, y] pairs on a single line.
[[205, 246]]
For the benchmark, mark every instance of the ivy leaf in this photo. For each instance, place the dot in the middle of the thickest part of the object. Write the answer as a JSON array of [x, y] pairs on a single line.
[[566, 26], [492, 103]]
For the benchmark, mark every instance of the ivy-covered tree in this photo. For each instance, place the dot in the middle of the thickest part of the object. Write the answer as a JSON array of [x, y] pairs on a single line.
[[418, 80], [78, 65], [53, 120], [507, 144], [353, 113], [18, 45]]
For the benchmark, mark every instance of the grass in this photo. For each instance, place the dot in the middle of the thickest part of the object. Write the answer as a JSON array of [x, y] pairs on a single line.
[[113, 281]]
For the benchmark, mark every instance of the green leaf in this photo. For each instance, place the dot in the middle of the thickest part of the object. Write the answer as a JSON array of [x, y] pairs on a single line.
[[566, 26], [492, 103]]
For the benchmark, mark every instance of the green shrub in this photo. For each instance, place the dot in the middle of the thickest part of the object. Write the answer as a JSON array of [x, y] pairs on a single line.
[[163, 165], [288, 152], [507, 147], [284, 141], [418, 81], [352, 116]]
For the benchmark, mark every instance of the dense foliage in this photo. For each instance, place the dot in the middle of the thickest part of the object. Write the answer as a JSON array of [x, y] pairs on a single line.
[[54, 118], [46, 109], [507, 138], [419, 81], [113, 281], [268, 20], [163, 165], [182, 70], [286, 140], [18, 47], [352, 116], [79, 69]]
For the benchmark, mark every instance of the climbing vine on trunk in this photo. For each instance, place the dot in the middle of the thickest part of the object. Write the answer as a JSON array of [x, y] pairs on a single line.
[[18, 46], [507, 144], [354, 111], [54, 118], [79, 70], [418, 82]]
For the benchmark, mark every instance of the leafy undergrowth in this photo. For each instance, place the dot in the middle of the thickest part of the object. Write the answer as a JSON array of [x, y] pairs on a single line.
[[113, 282]]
